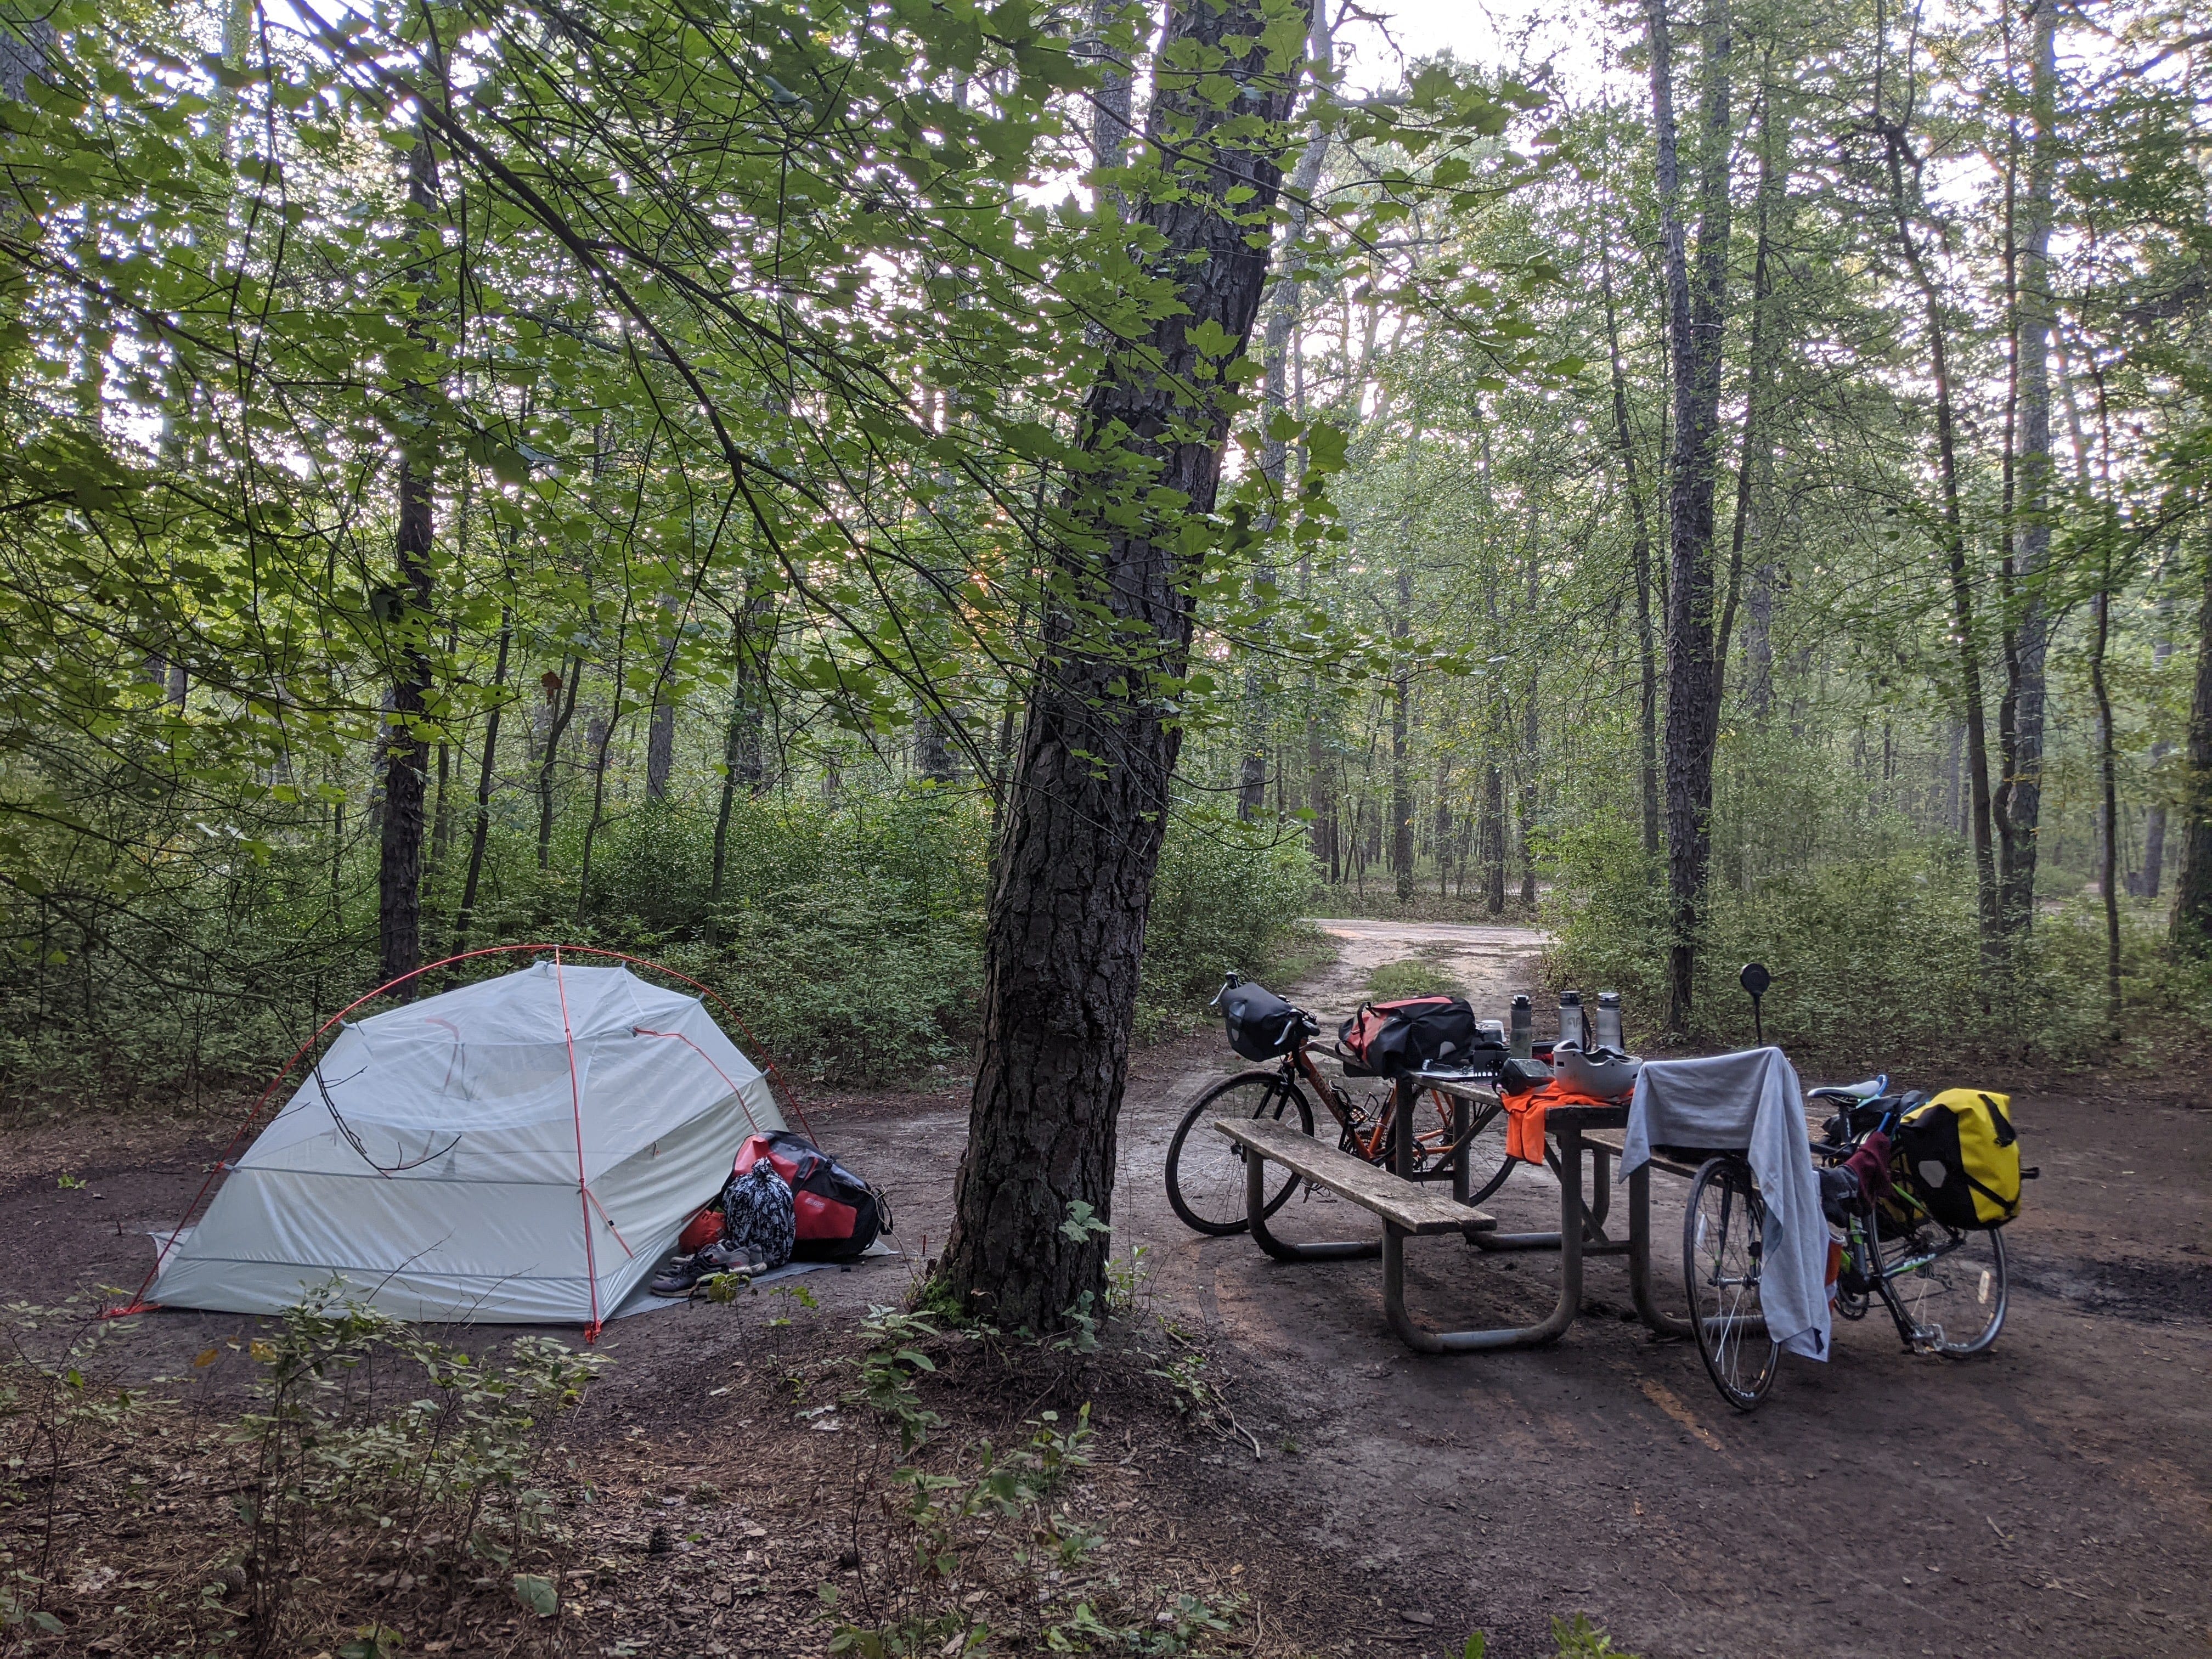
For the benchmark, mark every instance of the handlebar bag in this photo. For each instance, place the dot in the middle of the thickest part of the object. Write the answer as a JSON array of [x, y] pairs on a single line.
[[1414, 1033], [1261, 1025], [1961, 1159]]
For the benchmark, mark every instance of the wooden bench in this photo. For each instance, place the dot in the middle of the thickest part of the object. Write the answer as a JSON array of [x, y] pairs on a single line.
[[1404, 1205], [1666, 1158], [1407, 1209]]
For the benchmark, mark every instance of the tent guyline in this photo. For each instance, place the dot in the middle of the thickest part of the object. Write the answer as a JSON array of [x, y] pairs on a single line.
[[459, 1235]]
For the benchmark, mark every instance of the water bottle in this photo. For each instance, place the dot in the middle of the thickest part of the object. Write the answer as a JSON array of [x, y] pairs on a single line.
[[1571, 1018], [1522, 1037], [1608, 1023]]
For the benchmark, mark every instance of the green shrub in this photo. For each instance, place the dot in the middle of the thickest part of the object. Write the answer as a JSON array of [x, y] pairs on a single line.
[[1874, 957], [1229, 895]]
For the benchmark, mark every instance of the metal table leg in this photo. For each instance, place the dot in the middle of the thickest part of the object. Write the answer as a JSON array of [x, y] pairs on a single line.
[[1585, 1218], [1255, 1205], [1572, 1211], [1640, 1259]]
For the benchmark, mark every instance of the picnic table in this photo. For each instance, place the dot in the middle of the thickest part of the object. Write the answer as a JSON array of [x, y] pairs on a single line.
[[1407, 1208]]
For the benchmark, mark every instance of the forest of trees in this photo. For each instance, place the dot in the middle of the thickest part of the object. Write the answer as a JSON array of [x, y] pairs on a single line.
[[922, 512]]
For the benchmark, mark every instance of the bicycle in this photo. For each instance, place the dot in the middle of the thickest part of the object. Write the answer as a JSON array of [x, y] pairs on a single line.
[[1206, 1175], [1944, 1287]]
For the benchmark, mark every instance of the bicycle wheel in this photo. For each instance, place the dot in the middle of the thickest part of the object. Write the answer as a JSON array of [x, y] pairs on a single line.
[[1723, 1239], [1487, 1165], [1206, 1169], [1952, 1286]]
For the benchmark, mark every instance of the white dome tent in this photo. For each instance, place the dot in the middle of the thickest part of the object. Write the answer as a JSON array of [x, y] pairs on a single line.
[[520, 1150]]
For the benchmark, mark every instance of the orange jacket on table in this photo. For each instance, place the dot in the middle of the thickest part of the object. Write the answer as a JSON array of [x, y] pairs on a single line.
[[1524, 1117]]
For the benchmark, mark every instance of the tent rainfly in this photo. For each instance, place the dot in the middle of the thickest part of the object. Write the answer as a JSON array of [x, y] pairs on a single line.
[[523, 1149]]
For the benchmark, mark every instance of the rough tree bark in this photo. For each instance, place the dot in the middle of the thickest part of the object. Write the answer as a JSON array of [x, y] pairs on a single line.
[[406, 749], [1065, 928], [1696, 302]]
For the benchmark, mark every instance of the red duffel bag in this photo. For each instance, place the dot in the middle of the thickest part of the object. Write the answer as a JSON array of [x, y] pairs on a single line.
[[839, 1214]]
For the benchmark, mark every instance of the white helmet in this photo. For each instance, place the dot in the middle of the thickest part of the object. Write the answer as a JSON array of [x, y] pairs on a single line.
[[1602, 1074]]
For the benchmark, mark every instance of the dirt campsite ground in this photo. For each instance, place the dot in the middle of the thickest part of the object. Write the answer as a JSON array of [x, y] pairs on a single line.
[[2054, 1497]]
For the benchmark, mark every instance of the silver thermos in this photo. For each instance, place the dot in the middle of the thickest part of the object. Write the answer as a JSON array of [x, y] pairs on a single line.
[[1606, 1025]]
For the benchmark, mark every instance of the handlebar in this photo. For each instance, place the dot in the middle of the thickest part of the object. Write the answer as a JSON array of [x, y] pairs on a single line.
[[1230, 981]]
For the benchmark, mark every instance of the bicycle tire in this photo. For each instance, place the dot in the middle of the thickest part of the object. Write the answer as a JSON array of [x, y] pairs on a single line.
[[1723, 1230], [1214, 1201], [1488, 1166], [1959, 1294]]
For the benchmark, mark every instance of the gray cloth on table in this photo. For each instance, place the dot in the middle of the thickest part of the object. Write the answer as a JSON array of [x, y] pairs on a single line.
[[1751, 1102]]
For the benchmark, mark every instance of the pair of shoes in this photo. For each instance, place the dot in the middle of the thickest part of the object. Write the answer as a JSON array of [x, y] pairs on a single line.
[[681, 1276]]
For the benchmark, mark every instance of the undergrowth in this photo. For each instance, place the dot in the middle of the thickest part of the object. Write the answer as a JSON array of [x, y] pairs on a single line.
[[847, 938], [1876, 957], [382, 1489]]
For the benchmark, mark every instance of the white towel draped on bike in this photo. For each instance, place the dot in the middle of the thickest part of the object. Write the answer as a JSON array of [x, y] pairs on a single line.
[[1749, 1102]]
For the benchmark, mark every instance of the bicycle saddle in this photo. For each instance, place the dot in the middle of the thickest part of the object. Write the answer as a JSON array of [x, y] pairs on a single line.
[[1853, 1091]]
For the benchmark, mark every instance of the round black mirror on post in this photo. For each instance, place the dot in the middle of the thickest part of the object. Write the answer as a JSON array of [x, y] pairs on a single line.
[[1755, 979]]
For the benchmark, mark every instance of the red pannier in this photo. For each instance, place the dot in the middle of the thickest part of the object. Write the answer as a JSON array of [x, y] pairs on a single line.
[[839, 1214], [1387, 1039]]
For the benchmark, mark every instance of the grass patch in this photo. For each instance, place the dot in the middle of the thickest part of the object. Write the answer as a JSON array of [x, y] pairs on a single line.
[[1413, 976]]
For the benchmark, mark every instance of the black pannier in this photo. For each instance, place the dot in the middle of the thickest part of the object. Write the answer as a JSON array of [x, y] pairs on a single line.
[[1385, 1039], [1261, 1025]]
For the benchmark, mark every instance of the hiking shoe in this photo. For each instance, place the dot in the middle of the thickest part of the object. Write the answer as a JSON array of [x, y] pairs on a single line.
[[678, 1278], [682, 1276]]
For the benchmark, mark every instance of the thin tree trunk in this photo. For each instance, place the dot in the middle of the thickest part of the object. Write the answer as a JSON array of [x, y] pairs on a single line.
[[561, 696], [1754, 460], [604, 737], [2192, 879], [1284, 313], [2016, 809], [480, 832], [1531, 754], [1401, 781], [661, 736], [1647, 714], [1493, 839], [743, 757], [2108, 780], [1065, 925], [400, 872], [1898, 152], [1696, 319]]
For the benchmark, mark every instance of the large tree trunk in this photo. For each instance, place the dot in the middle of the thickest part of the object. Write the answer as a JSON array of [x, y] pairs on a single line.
[[2017, 807], [1697, 311], [1065, 930], [406, 750], [2192, 881]]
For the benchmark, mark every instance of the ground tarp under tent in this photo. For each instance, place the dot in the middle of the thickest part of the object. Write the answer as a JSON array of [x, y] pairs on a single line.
[[523, 1149]]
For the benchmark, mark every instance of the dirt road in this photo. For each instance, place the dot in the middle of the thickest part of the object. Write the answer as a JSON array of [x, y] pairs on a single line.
[[2051, 1498]]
